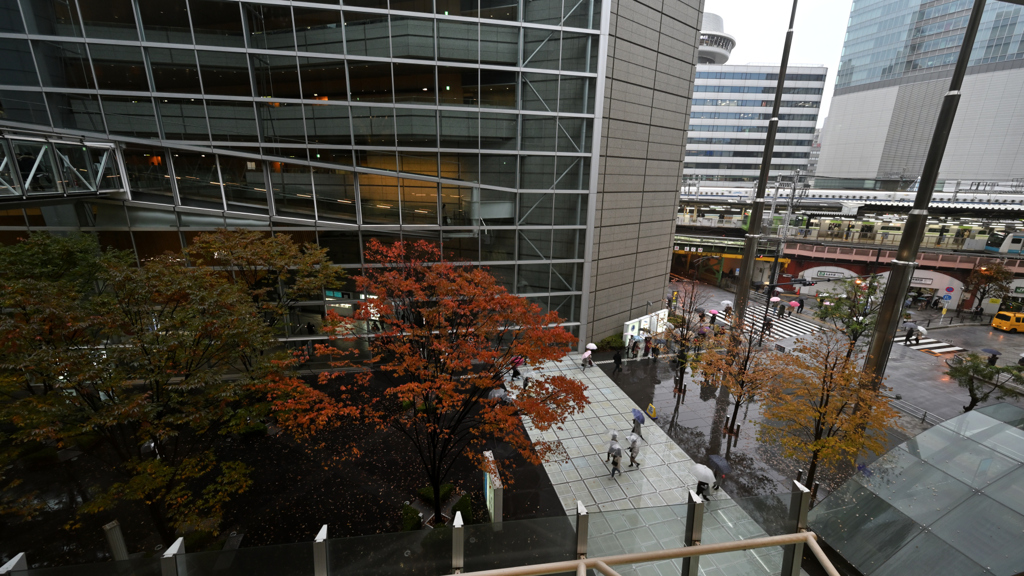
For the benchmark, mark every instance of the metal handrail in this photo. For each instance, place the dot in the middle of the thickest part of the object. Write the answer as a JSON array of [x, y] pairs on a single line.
[[604, 564]]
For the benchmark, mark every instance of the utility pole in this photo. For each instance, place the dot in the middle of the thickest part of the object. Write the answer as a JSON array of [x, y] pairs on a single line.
[[757, 209], [903, 266]]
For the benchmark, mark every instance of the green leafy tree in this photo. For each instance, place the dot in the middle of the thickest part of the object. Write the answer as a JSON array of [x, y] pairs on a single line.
[[852, 308], [984, 382], [989, 281]]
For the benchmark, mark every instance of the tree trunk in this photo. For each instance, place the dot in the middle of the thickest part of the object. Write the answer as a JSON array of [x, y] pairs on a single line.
[[735, 412], [812, 471], [436, 485], [972, 404], [156, 513]]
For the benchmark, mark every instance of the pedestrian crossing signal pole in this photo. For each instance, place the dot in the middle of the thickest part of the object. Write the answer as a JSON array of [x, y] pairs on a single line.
[[753, 236], [903, 266]]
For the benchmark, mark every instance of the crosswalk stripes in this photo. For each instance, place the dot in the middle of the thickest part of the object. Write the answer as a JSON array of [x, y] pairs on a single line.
[[929, 345], [787, 327]]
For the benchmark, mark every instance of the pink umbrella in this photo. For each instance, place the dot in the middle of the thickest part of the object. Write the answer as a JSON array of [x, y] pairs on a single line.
[[826, 303], [794, 304], [712, 311], [775, 299]]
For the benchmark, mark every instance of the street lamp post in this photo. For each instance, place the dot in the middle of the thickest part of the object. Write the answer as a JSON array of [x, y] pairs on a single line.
[[903, 266]]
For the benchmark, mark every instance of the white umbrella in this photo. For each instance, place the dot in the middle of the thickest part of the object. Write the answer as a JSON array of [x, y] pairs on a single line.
[[591, 346], [726, 303], [704, 474], [922, 331], [776, 299]]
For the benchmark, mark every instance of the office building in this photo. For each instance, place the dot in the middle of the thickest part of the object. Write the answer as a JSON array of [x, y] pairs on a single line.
[[731, 109], [468, 124], [897, 60]]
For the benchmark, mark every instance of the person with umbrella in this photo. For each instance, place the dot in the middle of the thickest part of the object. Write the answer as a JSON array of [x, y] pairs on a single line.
[[618, 362], [800, 309], [613, 445], [638, 419], [1020, 362], [714, 316], [994, 355], [782, 311], [918, 333], [587, 356], [616, 460], [705, 478], [634, 450], [911, 328], [727, 308]]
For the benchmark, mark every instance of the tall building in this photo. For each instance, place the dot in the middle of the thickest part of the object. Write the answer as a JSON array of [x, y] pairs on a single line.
[[731, 109], [468, 124], [895, 68]]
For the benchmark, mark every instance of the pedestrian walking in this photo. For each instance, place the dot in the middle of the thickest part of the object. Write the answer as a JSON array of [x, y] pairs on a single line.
[[636, 347], [917, 337], [714, 317], [789, 311], [634, 450], [636, 428], [728, 312], [587, 360], [992, 359], [800, 308], [647, 346], [618, 362], [767, 328], [654, 353], [612, 445], [616, 462], [906, 339], [782, 311]]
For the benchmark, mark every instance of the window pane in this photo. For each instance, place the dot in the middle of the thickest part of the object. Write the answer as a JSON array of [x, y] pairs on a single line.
[[63, 64], [498, 170], [198, 181], [567, 244], [533, 278], [225, 73], [567, 307], [27, 107], [579, 52], [10, 17], [499, 10], [232, 121], [335, 194], [373, 126], [571, 210], [497, 207], [270, 27], [381, 4], [540, 92], [457, 41], [458, 86], [17, 67], [412, 37], [35, 163], [75, 168], [572, 173], [540, 49], [165, 21], [281, 122], [52, 17], [499, 45], [416, 128], [147, 173], [457, 7], [460, 205], [496, 245], [461, 246], [293, 190], [119, 67], [498, 131], [76, 112], [331, 156], [566, 277], [323, 79], [535, 209], [130, 116], [381, 160], [327, 124], [535, 244], [539, 133], [543, 12], [276, 76], [418, 163], [9, 186], [498, 89], [183, 119], [155, 243], [379, 198], [367, 34], [574, 134], [459, 129], [371, 82], [419, 202], [414, 83], [425, 6], [318, 30], [342, 246], [113, 19], [465, 167], [175, 70], [245, 186], [584, 14], [576, 95], [217, 23]]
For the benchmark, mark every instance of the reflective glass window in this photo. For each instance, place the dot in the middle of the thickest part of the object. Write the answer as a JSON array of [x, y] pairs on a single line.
[[26, 107], [497, 245], [17, 67], [147, 173], [9, 185], [540, 92], [566, 277], [539, 133], [566, 306], [245, 186], [499, 10], [371, 81], [498, 131], [457, 41], [293, 190], [36, 166], [412, 38], [381, 4], [335, 194], [567, 244], [533, 278], [457, 7], [571, 210], [461, 246], [165, 21], [232, 121], [574, 134], [270, 27], [572, 173], [373, 126], [63, 64], [327, 124], [225, 73], [342, 245], [582, 14], [275, 76], [318, 30], [119, 67], [85, 169], [175, 70], [419, 202], [130, 116], [540, 48], [543, 12], [281, 122], [425, 6], [183, 119], [460, 205], [460, 129], [575, 95], [379, 199], [424, 163], [52, 17], [535, 244], [416, 128], [114, 19], [497, 207], [323, 79], [76, 112], [535, 209], [498, 89], [415, 83], [217, 23], [367, 34], [331, 155], [379, 159], [198, 179], [499, 45], [10, 17], [498, 170], [579, 52], [465, 167], [458, 86]]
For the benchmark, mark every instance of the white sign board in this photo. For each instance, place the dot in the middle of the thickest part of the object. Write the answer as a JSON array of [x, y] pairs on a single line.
[[650, 324], [493, 491]]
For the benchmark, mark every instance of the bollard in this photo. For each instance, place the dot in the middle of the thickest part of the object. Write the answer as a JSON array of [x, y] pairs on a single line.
[[798, 507], [320, 552], [582, 530], [458, 544], [692, 536], [924, 417], [118, 549], [18, 563], [168, 562], [800, 475]]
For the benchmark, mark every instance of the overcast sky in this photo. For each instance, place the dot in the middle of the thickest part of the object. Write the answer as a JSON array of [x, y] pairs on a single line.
[[759, 27]]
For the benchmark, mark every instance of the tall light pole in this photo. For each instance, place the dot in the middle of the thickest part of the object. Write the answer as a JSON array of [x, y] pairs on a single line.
[[903, 266], [757, 209]]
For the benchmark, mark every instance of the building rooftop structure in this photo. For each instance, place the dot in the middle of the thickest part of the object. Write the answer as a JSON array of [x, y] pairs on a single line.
[[715, 45]]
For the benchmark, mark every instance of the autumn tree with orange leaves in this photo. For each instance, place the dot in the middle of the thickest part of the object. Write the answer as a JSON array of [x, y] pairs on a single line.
[[443, 339]]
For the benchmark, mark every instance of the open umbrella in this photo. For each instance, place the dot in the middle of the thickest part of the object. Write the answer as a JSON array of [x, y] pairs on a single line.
[[712, 311], [991, 351], [909, 326], [775, 299], [591, 346], [826, 303], [638, 415], [497, 393], [703, 474], [726, 303], [794, 304], [922, 331]]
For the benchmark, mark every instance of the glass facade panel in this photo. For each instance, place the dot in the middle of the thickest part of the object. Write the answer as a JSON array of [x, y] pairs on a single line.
[[416, 128], [535, 209], [147, 173], [175, 70], [327, 124], [540, 48], [342, 245], [539, 133], [232, 121], [371, 82], [217, 23], [52, 17], [373, 126], [281, 122], [496, 207], [367, 34], [419, 202], [464, 167], [17, 66], [498, 88], [540, 92], [581, 14], [318, 30], [378, 159], [119, 68], [425, 6], [335, 194], [331, 156], [572, 173], [379, 198], [183, 119], [576, 95], [165, 21], [499, 10], [9, 185], [275, 76], [245, 185], [579, 52], [543, 12], [567, 278], [198, 180], [27, 107], [498, 131], [535, 244], [10, 17], [225, 73], [457, 41], [497, 245], [459, 129], [76, 112], [418, 163], [270, 27], [567, 244], [323, 79], [63, 64], [113, 19], [538, 172], [293, 190], [414, 83], [533, 278], [458, 86], [499, 45], [130, 116], [574, 134], [36, 166], [461, 246], [498, 170], [571, 210], [412, 37]]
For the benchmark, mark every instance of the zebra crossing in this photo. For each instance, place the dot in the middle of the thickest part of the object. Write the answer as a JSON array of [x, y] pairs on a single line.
[[787, 327], [929, 345]]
